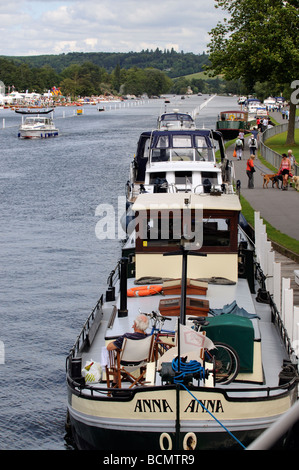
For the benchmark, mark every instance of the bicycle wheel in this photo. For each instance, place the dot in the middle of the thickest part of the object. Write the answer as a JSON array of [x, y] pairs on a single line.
[[226, 363]]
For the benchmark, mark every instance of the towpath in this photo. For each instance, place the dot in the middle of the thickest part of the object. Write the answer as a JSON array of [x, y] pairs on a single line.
[[279, 208]]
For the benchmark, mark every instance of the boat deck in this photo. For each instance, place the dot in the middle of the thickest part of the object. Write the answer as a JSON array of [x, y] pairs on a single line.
[[269, 350]]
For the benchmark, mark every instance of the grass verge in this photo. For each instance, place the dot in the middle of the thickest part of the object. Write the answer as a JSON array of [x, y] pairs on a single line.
[[273, 234], [277, 143]]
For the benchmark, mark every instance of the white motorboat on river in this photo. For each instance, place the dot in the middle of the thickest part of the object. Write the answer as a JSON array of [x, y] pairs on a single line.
[[217, 368], [37, 126]]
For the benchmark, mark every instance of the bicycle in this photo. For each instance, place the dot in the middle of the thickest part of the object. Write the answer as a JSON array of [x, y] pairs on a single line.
[[225, 360], [164, 339]]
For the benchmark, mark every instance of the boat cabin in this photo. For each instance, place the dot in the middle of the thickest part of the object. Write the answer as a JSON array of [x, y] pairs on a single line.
[[171, 161], [231, 122], [37, 121], [175, 120], [210, 221]]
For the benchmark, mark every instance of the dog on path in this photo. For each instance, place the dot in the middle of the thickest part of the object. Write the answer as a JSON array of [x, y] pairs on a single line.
[[274, 178], [295, 180]]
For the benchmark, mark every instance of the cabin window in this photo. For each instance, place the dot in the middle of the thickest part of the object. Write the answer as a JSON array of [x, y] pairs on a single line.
[[163, 142], [181, 141], [155, 177], [160, 155], [146, 149], [216, 232], [182, 154], [202, 151], [161, 231], [182, 148], [182, 177], [164, 228], [200, 141], [209, 175]]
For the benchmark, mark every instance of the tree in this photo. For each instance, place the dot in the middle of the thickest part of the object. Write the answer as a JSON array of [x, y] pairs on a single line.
[[258, 42]]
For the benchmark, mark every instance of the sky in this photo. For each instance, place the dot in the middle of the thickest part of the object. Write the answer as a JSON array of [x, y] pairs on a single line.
[[35, 27]]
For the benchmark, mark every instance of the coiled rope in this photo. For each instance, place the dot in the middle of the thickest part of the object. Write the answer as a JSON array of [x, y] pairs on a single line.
[[191, 367]]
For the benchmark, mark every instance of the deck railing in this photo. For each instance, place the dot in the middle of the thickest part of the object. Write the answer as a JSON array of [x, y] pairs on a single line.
[[86, 329]]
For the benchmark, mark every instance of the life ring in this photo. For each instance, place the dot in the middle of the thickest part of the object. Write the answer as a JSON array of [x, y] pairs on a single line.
[[143, 291], [231, 117]]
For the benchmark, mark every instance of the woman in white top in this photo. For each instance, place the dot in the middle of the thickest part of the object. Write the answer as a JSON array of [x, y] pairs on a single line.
[[252, 143]]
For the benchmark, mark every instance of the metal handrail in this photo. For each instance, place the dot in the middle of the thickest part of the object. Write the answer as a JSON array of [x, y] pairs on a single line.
[[85, 329], [264, 392], [114, 275]]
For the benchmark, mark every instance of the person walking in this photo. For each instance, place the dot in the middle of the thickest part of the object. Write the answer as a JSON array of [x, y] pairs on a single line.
[[250, 170], [238, 149], [284, 170], [292, 160], [265, 123], [241, 137], [252, 143], [255, 133]]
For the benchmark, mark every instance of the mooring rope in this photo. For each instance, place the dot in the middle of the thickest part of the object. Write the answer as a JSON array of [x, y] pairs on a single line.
[[190, 368]]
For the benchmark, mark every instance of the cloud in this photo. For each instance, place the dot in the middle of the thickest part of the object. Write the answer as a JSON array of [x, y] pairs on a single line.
[[51, 27]]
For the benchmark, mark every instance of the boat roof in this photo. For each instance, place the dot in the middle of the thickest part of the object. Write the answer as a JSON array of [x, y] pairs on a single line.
[[204, 132], [37, 118], [186, 132], [234, 111], [176, 116], [30, 112], [172, 201]]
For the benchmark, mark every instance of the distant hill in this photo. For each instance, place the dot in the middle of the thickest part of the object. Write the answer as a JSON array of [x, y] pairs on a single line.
[[174, 64]]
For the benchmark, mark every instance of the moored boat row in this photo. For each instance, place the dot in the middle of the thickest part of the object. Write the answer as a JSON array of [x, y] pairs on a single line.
[[212, 372]]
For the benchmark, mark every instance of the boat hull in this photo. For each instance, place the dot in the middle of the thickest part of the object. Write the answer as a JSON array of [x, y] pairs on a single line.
[[147, 419], [229, 134], [40, 134]]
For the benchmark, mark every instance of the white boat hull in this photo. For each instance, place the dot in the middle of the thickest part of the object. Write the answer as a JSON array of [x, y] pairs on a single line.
[[38, 134]]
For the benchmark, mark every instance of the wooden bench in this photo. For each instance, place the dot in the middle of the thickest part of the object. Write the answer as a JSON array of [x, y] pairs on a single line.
[[172, 307], [194, 287]]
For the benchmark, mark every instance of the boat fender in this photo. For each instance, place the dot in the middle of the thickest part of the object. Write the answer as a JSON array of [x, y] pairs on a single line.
[[190, 441], [143, 291], [166, 436]]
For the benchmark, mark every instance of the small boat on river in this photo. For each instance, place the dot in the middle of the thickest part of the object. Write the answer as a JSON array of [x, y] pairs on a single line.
[[212, 370], [230, 123], [37, 125]]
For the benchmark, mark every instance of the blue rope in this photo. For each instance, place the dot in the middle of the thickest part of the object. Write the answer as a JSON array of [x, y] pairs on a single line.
[[186, 368], [192, 367]]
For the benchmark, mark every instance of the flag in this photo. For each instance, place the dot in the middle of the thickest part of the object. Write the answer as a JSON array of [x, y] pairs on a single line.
[[191, 340]]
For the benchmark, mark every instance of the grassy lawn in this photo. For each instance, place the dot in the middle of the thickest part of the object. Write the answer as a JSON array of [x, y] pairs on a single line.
[[202, 75], [272, 233], [277, 143]]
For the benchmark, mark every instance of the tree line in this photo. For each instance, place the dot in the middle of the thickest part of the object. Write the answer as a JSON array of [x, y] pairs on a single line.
[[174, 64], [84, 74], [89, 78], [259, 45], [83, 80]]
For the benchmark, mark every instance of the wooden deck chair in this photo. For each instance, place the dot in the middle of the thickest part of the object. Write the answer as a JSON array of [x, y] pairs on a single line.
[[130, 362]]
